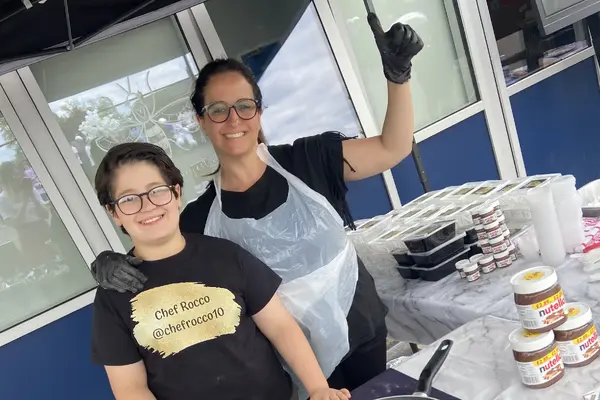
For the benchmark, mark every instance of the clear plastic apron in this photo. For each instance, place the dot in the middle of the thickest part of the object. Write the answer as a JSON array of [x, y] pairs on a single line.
[[304, 242]]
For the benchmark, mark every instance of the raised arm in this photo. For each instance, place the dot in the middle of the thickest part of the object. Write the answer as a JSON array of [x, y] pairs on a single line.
[[129, 382], [371, 156]]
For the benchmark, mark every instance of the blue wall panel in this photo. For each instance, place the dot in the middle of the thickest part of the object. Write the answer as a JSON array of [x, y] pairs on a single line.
[[558, 122], [53, 363], [461, 153], [368, 198]]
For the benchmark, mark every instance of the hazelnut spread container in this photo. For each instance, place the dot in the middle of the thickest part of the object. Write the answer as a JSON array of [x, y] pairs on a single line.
[[538, 358], [487, 264], [539, 298], [577, 338], [472, 272]]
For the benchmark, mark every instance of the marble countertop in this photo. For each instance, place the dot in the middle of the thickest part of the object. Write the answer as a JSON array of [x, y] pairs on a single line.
[[423, 312], [481, 366]]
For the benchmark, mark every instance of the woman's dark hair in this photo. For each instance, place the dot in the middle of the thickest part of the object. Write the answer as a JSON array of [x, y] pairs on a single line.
[[131, 153], [221, 66]]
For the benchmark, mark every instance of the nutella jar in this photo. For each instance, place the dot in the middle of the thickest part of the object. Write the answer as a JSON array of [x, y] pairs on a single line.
[[537, 357], [503, 259], [474, 259], [487, 264], [460, 265], [539, 298], [498, 245], [502, 221], [512, 250], [577, 338], [487, 213], [471, 272], [481, 233], [476, 218], [485, 246], [493, 230], [497, 209]]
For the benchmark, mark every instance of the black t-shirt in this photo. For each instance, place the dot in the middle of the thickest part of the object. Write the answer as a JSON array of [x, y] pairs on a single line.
[[192, 325], [319, 162]]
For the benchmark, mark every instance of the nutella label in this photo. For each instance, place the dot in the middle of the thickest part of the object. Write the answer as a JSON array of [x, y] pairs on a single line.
[[473, 277], [488, 268], [580, 349], [495, 233], [544, 313], [504, 262], [541, 371]]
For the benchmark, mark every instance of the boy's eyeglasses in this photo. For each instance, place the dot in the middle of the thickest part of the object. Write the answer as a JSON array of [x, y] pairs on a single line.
[[219, 111], [133, 203]]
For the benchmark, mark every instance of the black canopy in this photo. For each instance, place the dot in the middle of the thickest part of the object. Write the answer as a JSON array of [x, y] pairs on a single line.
[[30, 28]]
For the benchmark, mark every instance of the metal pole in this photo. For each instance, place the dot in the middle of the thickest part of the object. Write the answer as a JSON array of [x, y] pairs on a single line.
[[416, 154]]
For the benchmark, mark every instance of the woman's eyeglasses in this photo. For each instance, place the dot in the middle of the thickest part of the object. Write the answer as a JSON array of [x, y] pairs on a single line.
[[133, 203], [219, 111]]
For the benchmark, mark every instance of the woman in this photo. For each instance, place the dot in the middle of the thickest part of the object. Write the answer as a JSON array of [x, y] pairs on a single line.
[[283, 204], [200, 328]]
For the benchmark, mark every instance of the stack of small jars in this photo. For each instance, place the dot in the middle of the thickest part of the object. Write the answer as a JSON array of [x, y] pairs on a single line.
[[493, 239]]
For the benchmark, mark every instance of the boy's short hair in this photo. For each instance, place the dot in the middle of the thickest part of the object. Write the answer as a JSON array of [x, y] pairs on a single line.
[[129, 153]]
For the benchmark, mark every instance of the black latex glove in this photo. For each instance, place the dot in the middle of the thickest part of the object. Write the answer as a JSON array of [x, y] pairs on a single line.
[[397, 47], [115, 271]]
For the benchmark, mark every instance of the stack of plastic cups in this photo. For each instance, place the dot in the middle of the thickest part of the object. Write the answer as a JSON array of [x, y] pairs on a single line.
[[568, 202], [547, 228]]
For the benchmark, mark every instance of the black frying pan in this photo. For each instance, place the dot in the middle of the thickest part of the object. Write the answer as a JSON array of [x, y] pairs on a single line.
[[427, 375]]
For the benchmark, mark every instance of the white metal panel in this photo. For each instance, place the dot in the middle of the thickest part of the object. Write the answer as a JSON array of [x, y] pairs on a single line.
[[448, 122], [357, 96], [193, 38], [48, 317], [45, 133], [547, 72], [209, 32], [59, 204], [482, 55]]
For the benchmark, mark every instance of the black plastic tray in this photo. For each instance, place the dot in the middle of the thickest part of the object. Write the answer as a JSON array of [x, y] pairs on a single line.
[[403, 259], [473, 249], [443, 269], [471, 236], [408, 272], [440, 253], [431, 236]]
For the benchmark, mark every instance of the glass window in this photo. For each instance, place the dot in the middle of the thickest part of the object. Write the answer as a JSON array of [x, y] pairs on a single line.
[[303, 91], [40, 266], [442, 80], [134, 87], [523, 49], [554, 6]]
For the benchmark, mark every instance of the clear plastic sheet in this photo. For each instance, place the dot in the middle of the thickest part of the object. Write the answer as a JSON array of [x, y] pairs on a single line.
[[590, 194], [304, 242]]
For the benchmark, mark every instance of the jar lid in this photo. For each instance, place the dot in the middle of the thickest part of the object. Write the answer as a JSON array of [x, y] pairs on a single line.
[[501, 219], [491, 225], [497, 240], [511, 247], [479, 227], [534, 280], [525, 342], [580, 314], [476, 258], [494, 203], [487, 208], [504, 254], [462, 264], [470, 268], [486, 259], [483, 242]]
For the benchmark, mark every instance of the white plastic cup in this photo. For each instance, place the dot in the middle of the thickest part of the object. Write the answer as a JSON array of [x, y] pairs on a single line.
[[547, 227]]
